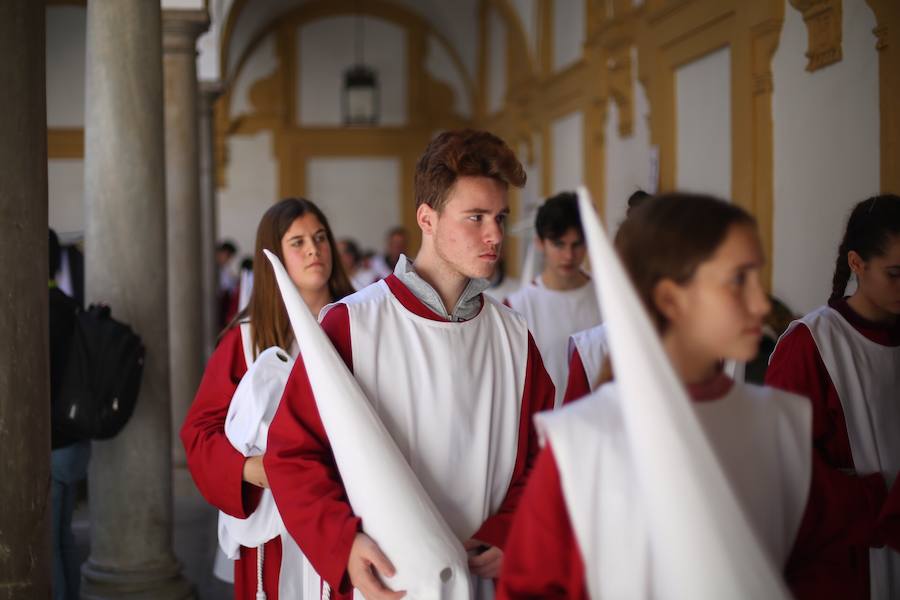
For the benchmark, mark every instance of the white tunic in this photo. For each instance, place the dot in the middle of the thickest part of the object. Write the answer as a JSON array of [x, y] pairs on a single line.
[[866, 376], [450, 395], [552, 316], [587, 437]]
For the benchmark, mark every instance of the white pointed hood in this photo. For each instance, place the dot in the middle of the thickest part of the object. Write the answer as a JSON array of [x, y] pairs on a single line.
[[701, 542], [395, 509]]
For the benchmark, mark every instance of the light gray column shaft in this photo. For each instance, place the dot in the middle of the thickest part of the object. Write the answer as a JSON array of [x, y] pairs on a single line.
[[184, 231], [25, 563], [209, 93], [125, 267]]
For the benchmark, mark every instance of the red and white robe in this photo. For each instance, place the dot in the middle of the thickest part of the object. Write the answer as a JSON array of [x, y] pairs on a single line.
[[558, 548], [217, 468], [456, 397], [588, 350], [850, 369]]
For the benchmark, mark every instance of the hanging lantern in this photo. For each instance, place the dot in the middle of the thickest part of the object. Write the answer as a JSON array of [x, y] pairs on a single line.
[[361, 97]]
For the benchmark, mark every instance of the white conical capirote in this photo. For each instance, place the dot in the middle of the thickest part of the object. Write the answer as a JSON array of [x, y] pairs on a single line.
[[702, 545], [384, 492]]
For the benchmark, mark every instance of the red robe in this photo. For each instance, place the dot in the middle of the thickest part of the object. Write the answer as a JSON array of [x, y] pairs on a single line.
[[578, 385], [217, 468], [841, 570], [305, 480], [543, 559]]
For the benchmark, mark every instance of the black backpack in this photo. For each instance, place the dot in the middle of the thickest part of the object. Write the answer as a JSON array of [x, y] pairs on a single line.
[[102, 377]]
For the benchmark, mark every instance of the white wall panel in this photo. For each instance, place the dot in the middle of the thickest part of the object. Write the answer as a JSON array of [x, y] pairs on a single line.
[[826, 137], [568, 32], [252, 186], [703, 124], [359, 195], [568, 152]]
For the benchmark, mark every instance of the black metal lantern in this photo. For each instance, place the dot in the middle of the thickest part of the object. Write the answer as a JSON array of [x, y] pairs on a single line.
[[361, 98]]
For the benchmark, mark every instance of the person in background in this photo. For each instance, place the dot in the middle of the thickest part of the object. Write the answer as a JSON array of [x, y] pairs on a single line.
[[396, 243], [69, 457], [227, 280], [561, 300], [352, 259], [845, 356], [502, 285]]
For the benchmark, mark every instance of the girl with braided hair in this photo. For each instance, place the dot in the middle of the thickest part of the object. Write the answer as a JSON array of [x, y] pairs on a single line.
[[845, 356]]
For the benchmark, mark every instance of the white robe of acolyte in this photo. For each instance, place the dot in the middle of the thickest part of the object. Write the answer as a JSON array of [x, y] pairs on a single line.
[[553, 316], [461, 443]]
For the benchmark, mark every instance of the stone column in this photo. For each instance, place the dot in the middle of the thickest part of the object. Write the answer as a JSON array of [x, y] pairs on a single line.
[[209, 93], [25, 563], [186, 344], [125, 266]]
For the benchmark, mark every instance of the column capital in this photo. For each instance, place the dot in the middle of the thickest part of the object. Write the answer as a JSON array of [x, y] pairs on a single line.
[[181, 28], [209, 91]]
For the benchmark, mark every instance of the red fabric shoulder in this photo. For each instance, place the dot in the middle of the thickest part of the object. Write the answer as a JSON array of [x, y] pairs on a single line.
[[577, 385], [336, 325]]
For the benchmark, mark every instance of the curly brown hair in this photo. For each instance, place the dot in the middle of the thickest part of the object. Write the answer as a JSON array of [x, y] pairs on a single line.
[[463, 153]]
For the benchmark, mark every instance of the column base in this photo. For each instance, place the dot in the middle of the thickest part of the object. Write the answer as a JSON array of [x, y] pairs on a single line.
[[157, 582]]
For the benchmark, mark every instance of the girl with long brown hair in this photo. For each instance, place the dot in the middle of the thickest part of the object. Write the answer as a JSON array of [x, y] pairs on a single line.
[[298, 233]]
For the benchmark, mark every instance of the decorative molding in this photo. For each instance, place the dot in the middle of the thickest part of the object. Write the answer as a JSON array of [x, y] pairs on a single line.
[[824, 20], [621, 87], [887, 34], [65, 143]]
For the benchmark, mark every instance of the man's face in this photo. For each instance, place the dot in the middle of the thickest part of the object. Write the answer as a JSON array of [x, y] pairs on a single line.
[[564, 255], [468, 232]]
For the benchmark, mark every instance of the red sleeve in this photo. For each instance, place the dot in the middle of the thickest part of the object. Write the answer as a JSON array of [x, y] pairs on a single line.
[[796, 366], [537, 396], [889, 520], [578, 385], [302, 473], [216, 466], [841, 514], [541, 559], [841, 522]]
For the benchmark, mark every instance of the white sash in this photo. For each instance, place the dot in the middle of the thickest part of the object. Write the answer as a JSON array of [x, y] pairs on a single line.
[[246, 426], [866, 376]]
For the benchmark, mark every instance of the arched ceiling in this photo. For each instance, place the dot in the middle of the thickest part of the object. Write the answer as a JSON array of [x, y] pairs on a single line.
[[242, 20]]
